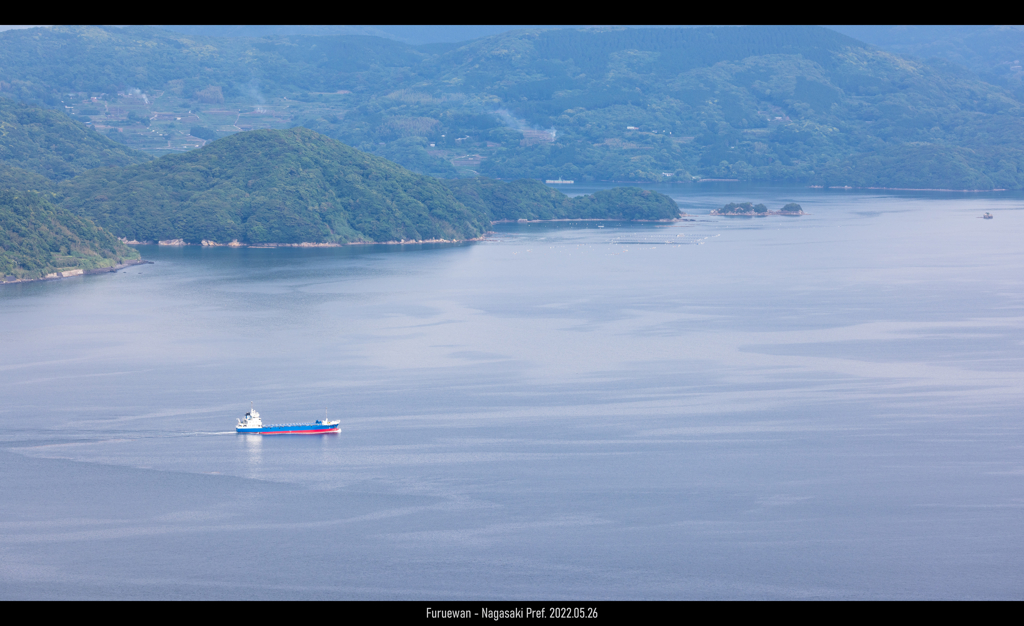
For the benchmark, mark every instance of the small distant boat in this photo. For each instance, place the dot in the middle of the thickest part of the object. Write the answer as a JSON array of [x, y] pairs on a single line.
[[987, 216], [560, 182], [252, 424]]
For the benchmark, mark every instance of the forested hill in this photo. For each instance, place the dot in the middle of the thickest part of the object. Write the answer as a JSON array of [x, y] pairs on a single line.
[[37, 239], [526, 199], [295, 186], [992, 52], [763, 103], [288, 186], [45, 64], [777, 103], [39, 146]]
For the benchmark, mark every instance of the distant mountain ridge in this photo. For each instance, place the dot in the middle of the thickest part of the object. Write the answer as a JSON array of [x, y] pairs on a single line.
[[797, 104], [992, 52]]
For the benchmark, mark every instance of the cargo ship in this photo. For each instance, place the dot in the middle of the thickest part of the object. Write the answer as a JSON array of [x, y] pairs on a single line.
[[251, 424]]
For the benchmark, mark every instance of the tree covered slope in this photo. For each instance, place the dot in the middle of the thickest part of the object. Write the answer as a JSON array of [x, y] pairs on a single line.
[[38, 238], [272, 186], [994, 53], [294, 186], [769, 103], [39, 145], [760, 103], [533, 200]]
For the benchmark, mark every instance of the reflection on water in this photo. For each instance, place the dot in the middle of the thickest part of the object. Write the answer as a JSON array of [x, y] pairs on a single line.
[[254, 454], [825, 406]]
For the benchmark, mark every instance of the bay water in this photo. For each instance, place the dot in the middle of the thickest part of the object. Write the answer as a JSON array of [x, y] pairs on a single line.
[[827, 406]]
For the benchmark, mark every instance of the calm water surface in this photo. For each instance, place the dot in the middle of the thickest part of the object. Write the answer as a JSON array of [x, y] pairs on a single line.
[[827, 406]]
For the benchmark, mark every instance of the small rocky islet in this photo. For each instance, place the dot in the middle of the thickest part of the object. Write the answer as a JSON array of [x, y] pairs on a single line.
[[749, 209]]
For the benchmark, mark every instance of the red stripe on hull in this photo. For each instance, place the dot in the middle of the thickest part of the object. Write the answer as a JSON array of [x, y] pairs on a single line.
[[300, 432]]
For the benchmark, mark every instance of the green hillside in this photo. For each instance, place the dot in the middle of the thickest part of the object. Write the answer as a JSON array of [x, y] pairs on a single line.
[[38, 238], [46, 64], [768, 103], [294, 186], [533, 200], [272, 186], [794, 104], [625, 203], [994, 53], [519, 199], [39, 145], [799, 104]]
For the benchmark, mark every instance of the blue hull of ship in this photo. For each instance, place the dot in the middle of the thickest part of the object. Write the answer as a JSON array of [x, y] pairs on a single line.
[[290, 429]]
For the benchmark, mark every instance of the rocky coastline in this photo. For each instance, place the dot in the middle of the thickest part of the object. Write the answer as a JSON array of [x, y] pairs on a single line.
[[305, 244], [682, 218], [76, 272]]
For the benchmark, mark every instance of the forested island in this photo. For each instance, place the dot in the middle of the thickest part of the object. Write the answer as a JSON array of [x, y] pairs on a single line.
[[749, 209], [297, 186], [68, 194], [271, 186], [532, 200]]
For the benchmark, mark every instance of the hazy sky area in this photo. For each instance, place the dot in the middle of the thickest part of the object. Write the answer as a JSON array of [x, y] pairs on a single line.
[[911, 37], [453, 33], [409, 33], [423, 34]]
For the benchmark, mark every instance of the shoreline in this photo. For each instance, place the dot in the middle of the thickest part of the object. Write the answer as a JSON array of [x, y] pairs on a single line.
[[682, 218], [206, 243], [904, 189], [305, 244], [73, 273], [717, 213]]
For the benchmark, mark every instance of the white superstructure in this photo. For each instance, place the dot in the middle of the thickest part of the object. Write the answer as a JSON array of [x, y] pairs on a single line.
[[251, 419]]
